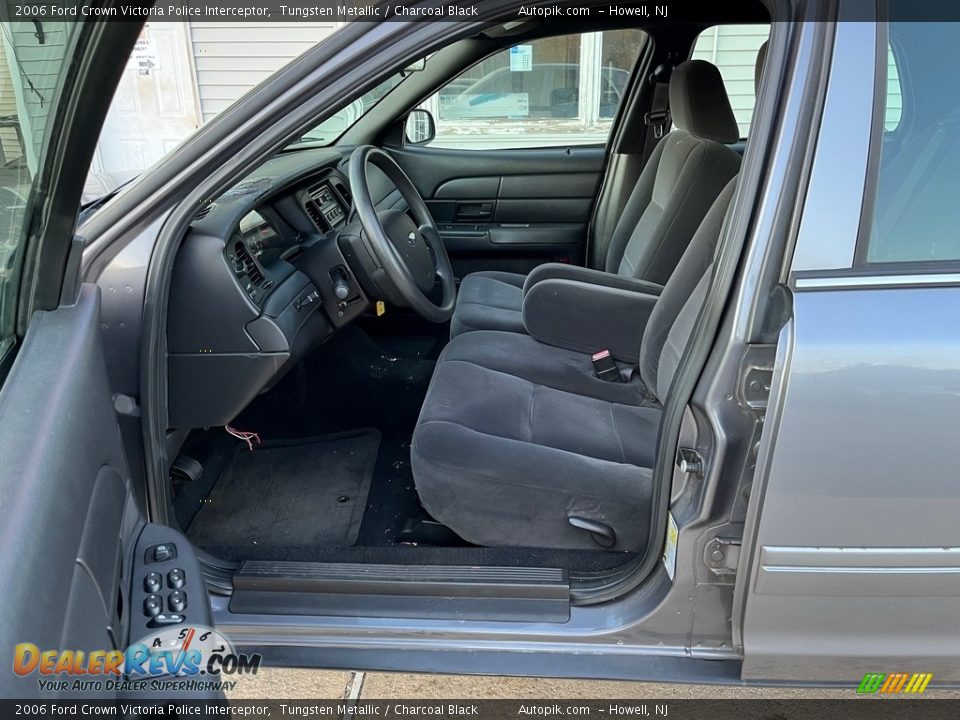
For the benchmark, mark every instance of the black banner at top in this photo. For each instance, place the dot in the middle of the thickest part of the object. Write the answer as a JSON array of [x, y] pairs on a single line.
[[616, 12]]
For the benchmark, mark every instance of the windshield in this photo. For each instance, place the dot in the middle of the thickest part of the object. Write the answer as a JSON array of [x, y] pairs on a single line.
[[333, 127], [182, 75]]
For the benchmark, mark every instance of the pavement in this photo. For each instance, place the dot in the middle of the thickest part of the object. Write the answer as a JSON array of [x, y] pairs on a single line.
[[333, 685]]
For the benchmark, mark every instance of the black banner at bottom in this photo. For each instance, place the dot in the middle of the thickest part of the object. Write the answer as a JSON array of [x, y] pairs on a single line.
[[867, 708]]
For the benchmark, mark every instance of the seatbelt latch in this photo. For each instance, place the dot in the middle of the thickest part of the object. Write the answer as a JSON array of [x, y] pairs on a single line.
[[658, 119], [604, 367]]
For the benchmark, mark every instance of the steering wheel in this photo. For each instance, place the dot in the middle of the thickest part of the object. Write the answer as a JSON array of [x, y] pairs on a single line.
[[411, 253]]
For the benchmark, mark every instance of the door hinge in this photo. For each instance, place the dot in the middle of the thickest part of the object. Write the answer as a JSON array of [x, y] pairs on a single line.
[[722, 555]]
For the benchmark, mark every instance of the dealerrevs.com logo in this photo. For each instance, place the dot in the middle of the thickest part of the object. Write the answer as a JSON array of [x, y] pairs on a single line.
[[185, 658]]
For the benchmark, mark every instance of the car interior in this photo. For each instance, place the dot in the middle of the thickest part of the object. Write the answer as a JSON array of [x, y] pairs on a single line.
[[383, 350]]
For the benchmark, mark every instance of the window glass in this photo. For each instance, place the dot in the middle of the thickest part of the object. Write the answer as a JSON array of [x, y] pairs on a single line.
[[554, 91], [31, 74], [733, 49], [916, 216], [334, 126]]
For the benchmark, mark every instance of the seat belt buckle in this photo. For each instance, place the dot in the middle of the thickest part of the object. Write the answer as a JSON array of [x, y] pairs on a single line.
[[604, 366], [658, 119]]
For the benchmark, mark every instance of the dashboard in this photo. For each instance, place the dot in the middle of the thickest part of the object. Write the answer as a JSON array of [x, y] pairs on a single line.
[[261, 279]]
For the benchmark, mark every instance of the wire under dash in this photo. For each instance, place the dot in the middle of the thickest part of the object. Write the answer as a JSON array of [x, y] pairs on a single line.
[[248, 437]]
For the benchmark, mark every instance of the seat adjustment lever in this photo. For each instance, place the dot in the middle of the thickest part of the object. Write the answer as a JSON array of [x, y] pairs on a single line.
[[603, 535]]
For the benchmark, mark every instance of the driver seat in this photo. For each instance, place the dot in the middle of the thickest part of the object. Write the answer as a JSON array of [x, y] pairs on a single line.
[[520, 444]]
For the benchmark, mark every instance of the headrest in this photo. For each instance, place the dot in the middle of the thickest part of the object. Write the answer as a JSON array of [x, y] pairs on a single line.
[[699, 102], [758, 68]]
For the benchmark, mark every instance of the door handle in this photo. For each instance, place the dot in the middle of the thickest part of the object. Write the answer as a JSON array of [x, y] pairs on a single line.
[[472, 212]]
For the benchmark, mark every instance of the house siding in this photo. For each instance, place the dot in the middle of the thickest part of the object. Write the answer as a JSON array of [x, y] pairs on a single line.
[[231, 58]]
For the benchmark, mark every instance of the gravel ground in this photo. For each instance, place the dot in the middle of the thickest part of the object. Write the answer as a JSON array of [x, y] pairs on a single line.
[[326, 684]]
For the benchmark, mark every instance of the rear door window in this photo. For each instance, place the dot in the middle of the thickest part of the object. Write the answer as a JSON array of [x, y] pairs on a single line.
[[915, 217]]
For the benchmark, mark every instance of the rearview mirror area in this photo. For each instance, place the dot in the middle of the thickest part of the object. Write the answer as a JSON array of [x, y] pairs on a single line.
[[419, 127]]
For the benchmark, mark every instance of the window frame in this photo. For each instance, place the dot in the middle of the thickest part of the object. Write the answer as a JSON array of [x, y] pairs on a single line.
[[820, 249]]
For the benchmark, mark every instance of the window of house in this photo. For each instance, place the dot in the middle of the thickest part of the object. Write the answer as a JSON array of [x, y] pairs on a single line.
[[733, 49], [554, 91], [915, 215]]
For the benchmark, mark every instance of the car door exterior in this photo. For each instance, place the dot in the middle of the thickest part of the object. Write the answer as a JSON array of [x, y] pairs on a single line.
[[853, 544]]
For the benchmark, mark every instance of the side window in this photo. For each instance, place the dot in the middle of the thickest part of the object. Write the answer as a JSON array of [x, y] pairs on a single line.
[[915, 215], [733, 49], [553, 91], [31, 74]]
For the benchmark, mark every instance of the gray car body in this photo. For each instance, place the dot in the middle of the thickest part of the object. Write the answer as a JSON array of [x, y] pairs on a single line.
[[839, 544]]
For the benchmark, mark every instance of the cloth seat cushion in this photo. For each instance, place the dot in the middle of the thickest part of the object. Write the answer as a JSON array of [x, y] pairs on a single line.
[[489, 300], [515, 437]]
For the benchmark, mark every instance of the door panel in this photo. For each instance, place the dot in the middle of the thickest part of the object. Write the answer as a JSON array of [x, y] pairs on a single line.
[[68, 512], [507, 209], [75, 550]]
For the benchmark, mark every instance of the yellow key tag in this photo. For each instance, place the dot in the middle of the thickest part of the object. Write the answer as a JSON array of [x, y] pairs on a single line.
[[381, 307]]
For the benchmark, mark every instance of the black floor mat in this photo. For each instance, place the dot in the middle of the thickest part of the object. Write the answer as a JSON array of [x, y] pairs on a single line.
[[356, 380], [310, 492]]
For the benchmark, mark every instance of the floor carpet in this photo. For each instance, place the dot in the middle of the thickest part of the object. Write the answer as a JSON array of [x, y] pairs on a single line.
[[292, 493]]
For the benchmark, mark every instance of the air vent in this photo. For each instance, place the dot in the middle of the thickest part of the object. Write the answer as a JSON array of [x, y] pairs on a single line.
[[316, 215], [343, 192], [204, 211], [247, 263]]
